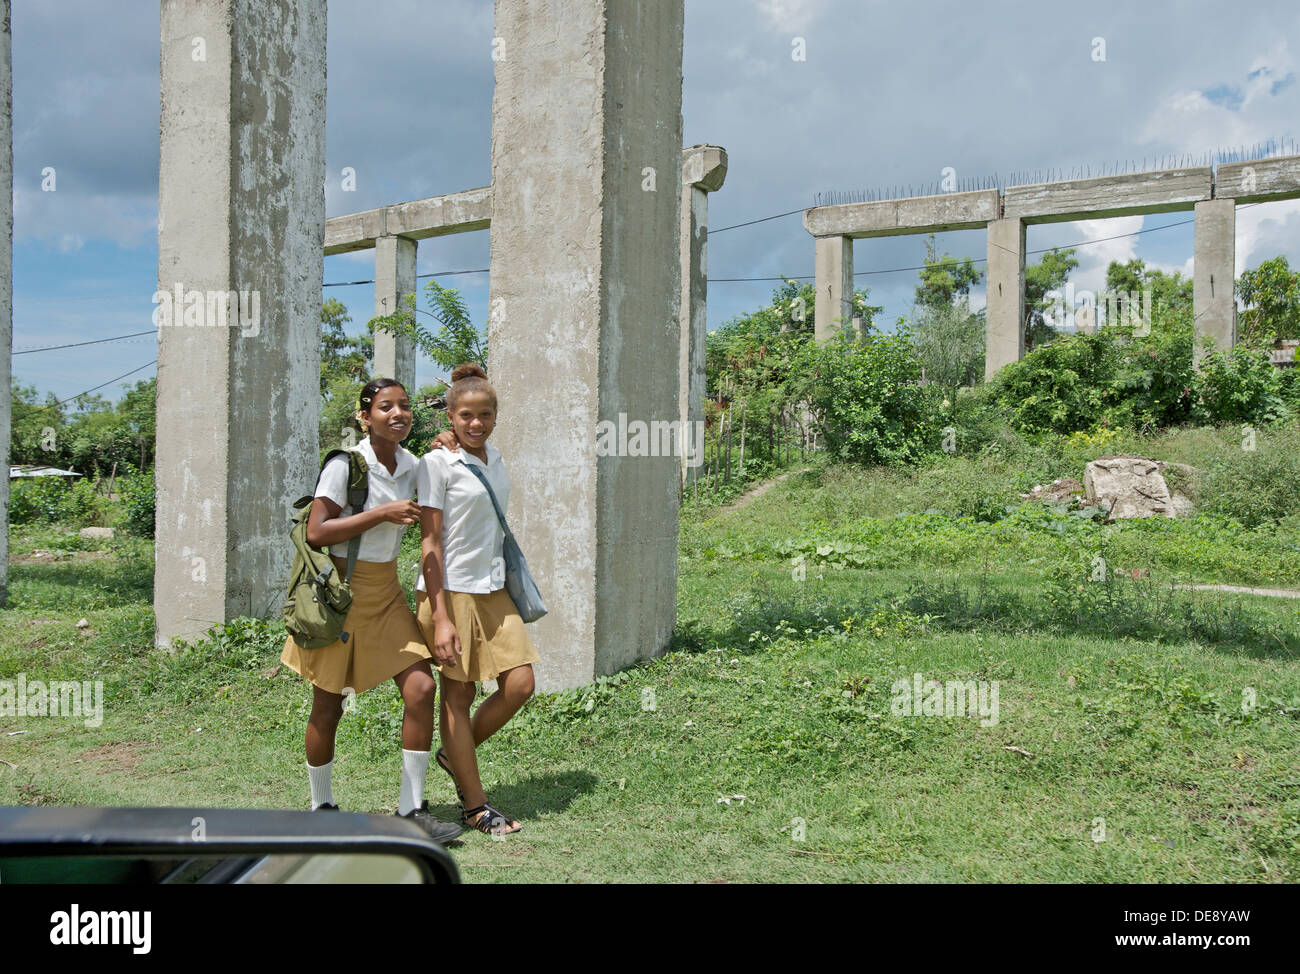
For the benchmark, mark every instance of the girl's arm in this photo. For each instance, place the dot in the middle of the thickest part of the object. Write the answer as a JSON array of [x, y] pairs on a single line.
[[446, 641], [325, 527]]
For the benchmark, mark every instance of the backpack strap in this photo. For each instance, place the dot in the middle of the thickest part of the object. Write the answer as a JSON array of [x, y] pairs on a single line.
[[491, 495]]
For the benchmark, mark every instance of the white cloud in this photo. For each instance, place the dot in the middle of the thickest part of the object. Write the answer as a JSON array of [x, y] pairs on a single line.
[[1095, 258], [790, 14]]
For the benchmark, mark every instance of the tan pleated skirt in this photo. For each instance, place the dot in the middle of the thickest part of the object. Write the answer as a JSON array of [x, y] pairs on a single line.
[[383, 636], [493, 638]]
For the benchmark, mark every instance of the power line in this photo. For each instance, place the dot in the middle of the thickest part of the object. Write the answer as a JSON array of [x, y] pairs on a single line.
[[116, 338]]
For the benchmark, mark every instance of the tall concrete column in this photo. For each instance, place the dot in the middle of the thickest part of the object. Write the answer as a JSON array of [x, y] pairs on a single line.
[[1005, 314], [704, 167], [1214, 308], [584, 308], [834, 270], [394, 279], [6, 286], [241, 207]]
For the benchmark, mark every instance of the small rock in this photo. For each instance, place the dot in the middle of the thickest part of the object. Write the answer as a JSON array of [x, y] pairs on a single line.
[[82, 623], [96, 532]]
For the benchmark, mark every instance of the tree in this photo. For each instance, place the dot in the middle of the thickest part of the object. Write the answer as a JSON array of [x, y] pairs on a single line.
[[944, 278], [1169, 291], [457, 341], [949, 341], [1049, 274], [1271, 294], [340, 353]]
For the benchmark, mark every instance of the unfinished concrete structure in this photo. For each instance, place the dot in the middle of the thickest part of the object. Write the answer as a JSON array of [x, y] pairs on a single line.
[[704, 167], [6, 283], [585, 208], [393, 232], [1211, 195], [241, 207]]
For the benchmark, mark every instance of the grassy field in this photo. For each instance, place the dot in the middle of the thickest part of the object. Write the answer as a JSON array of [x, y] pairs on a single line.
[[1144, 733]]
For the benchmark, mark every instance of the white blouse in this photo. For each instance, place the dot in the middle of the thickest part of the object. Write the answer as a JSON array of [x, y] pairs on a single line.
[[471, 534], [383, 542]]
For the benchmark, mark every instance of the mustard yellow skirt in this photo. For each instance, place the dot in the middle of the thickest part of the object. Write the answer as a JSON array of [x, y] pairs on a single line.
[[383, 636], [492, 635]]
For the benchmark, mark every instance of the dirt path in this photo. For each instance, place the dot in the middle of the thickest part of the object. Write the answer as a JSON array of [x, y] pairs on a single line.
[[1282, 593], [745, 499]]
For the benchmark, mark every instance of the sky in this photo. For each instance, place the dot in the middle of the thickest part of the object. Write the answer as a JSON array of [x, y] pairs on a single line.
[[885, 95]]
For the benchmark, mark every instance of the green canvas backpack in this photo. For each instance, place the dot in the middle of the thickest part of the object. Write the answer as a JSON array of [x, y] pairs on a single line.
[[318, 599]]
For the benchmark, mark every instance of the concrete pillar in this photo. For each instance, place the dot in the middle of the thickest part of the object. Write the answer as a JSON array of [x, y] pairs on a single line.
[[834, 272], [6, 286], [394, 278], [241, 207], [584, 317], [1214, 308], [1005, 315], [704, 167]]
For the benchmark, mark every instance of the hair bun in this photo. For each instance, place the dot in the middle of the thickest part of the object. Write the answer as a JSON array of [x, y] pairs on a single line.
[[467, 370]]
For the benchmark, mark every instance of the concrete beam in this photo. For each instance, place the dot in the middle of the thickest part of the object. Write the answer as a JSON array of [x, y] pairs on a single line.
[[1106, 196], [240, 207], [917, 214], [704, 168], [833, 307], [1005, 314], [1259, 180], [394, 279], [1214, 309], [435, 216], [584, 323], [6, 285]]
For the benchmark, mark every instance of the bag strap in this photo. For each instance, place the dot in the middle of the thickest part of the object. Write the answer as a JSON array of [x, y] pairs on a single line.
[[491, 495], [358, 491]]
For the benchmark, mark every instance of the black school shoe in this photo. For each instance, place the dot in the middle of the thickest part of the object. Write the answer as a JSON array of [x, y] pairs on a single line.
[[326, 807], [438, 830]]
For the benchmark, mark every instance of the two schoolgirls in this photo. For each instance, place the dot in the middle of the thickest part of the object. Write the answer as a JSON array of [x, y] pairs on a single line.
[[384, 639]]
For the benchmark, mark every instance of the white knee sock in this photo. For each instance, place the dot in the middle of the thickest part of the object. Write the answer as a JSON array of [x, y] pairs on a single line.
[[414, 765], [320, 784]]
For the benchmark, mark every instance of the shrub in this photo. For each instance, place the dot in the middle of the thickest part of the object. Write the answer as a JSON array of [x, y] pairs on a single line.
[[864, 394], [1063, 386], [34, 500], [1237, 386], [137, 493]]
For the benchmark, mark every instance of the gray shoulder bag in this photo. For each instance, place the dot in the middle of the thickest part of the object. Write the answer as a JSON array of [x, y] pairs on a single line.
[[519, 583]]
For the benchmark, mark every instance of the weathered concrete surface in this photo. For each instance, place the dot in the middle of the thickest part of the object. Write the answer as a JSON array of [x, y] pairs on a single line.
[[1131, 487], [240, 206], [394, 278], [1004, 321], [1163, 191], [1259, 180], [918, 214], [833, 307], [1213, 308], [584, 315], [704, 167], [6, 284], [434, 216]]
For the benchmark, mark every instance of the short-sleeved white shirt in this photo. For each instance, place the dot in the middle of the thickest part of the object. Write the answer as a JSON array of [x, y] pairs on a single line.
[[383, 542], [471, 534]]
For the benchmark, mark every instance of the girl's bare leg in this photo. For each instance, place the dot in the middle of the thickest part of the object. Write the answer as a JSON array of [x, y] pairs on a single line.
[[419, 693], [514, 687], [326, 711]]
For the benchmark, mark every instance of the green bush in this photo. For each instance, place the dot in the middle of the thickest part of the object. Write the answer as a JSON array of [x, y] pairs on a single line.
[[865, 396], [1063, 386], [1152, 385], [137, 493], [1237, 386], [36, 500]]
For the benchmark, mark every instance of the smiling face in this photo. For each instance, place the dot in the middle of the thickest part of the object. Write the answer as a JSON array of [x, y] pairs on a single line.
[[473, 419], [389, 416]]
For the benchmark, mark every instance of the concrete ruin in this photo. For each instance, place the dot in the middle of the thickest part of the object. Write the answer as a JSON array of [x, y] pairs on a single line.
[[586, 307], [1212, 195]]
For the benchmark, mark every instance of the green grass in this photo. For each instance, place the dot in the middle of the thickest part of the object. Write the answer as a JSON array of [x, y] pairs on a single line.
[[1120, 702]]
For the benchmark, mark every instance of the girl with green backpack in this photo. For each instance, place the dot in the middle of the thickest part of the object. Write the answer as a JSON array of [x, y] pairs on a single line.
[[381, 638]]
